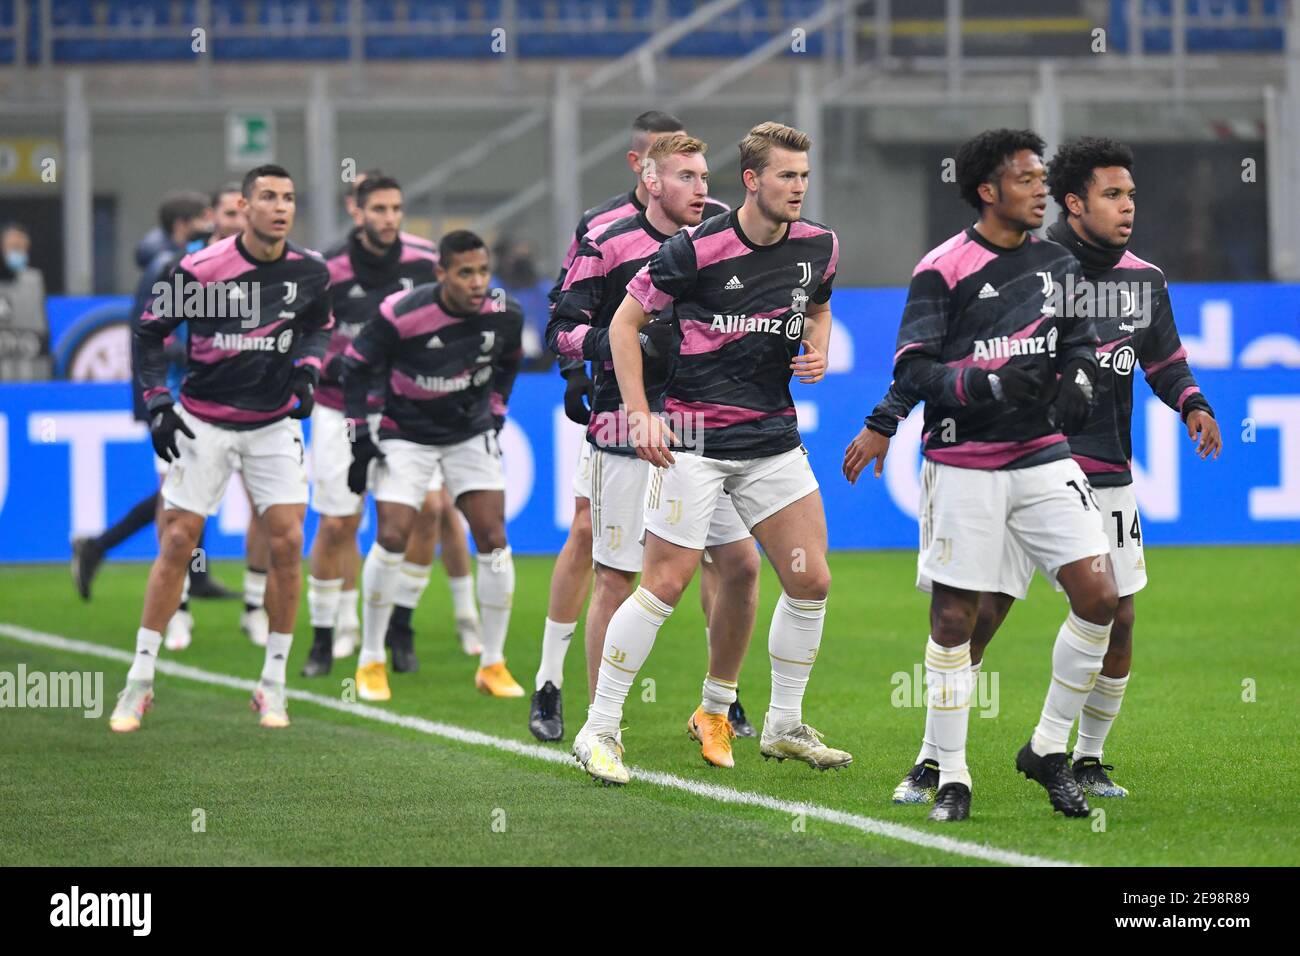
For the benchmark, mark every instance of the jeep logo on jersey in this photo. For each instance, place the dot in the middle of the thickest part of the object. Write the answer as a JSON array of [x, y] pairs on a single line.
[[1122, 360], [284, 340]]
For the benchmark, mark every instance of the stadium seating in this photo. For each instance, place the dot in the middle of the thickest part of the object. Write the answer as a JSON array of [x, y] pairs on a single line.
[[148, 30]]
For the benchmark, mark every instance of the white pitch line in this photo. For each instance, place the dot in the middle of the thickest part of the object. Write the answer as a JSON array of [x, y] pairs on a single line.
[[711, 791]]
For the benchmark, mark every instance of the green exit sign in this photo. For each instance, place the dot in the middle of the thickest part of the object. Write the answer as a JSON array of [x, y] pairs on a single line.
[[250, 138]]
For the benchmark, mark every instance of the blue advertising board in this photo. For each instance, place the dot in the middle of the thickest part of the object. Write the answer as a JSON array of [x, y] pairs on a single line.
[[72, 460]]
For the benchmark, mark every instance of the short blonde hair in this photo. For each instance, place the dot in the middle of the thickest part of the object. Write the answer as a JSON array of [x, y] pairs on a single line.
[[756, 148], [673, 144]]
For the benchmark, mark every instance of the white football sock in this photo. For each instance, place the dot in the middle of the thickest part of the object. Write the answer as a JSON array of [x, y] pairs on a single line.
[[254, 587], [462, 597], [928, 749], [948, 684], [556, 639], [1076, 662], [379, 577], [628, 640], [323, 601], [349, 619], [718, 695], [793, 638], [277, 657], [411, 584], [496, 591], [1099, 712], [185, 588], [147, 643]]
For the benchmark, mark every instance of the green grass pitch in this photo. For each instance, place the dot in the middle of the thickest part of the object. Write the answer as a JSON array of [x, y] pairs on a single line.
[[1205, 742]]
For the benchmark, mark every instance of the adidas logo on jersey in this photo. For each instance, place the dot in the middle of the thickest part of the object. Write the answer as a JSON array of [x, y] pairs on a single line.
[[734, 283], [434, 343], [988, 292], [356, 292]]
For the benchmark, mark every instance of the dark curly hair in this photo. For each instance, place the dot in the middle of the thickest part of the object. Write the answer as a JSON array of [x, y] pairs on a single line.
[[981, 158], [1071, 168]]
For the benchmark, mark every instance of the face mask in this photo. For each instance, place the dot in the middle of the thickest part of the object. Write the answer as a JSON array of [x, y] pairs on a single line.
[[16, 260], [198, 239]]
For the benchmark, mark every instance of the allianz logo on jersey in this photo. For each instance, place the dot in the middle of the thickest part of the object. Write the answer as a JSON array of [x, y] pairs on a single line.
[[791, 326], [457, 383], [238, 342], [1005, 347]]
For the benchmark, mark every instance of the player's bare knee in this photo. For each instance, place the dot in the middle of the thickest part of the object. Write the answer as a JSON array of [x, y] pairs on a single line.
[[1121, 631], [178, 541], [811, 585], [952, 623], [392, 540], [615, 582], [286, 547]]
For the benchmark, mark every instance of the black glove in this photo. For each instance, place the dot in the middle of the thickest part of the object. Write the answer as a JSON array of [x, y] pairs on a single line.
[[579, 387], [333, 370], [303, 386], [1069, 410], [659, 339], [364, 451], [1010, 383], [163, 426]]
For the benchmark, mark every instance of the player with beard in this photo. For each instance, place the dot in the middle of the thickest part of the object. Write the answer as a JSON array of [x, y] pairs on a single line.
[[747, 289], [1091, 180], [676, 176], [437, 523], [573, 566], [376, 263], [257, 309]]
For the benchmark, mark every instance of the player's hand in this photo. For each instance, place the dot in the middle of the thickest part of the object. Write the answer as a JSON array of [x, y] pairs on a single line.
[[364, 451], [869, 446], [1069, 410], [577, 396], [163, 426], [810, 366], [305, 389], [651, 438], [1201, 424], [659, 339], [1011, 384]]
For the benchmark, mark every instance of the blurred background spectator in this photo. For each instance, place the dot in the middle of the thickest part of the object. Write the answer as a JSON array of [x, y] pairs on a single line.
[[24, 331]]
